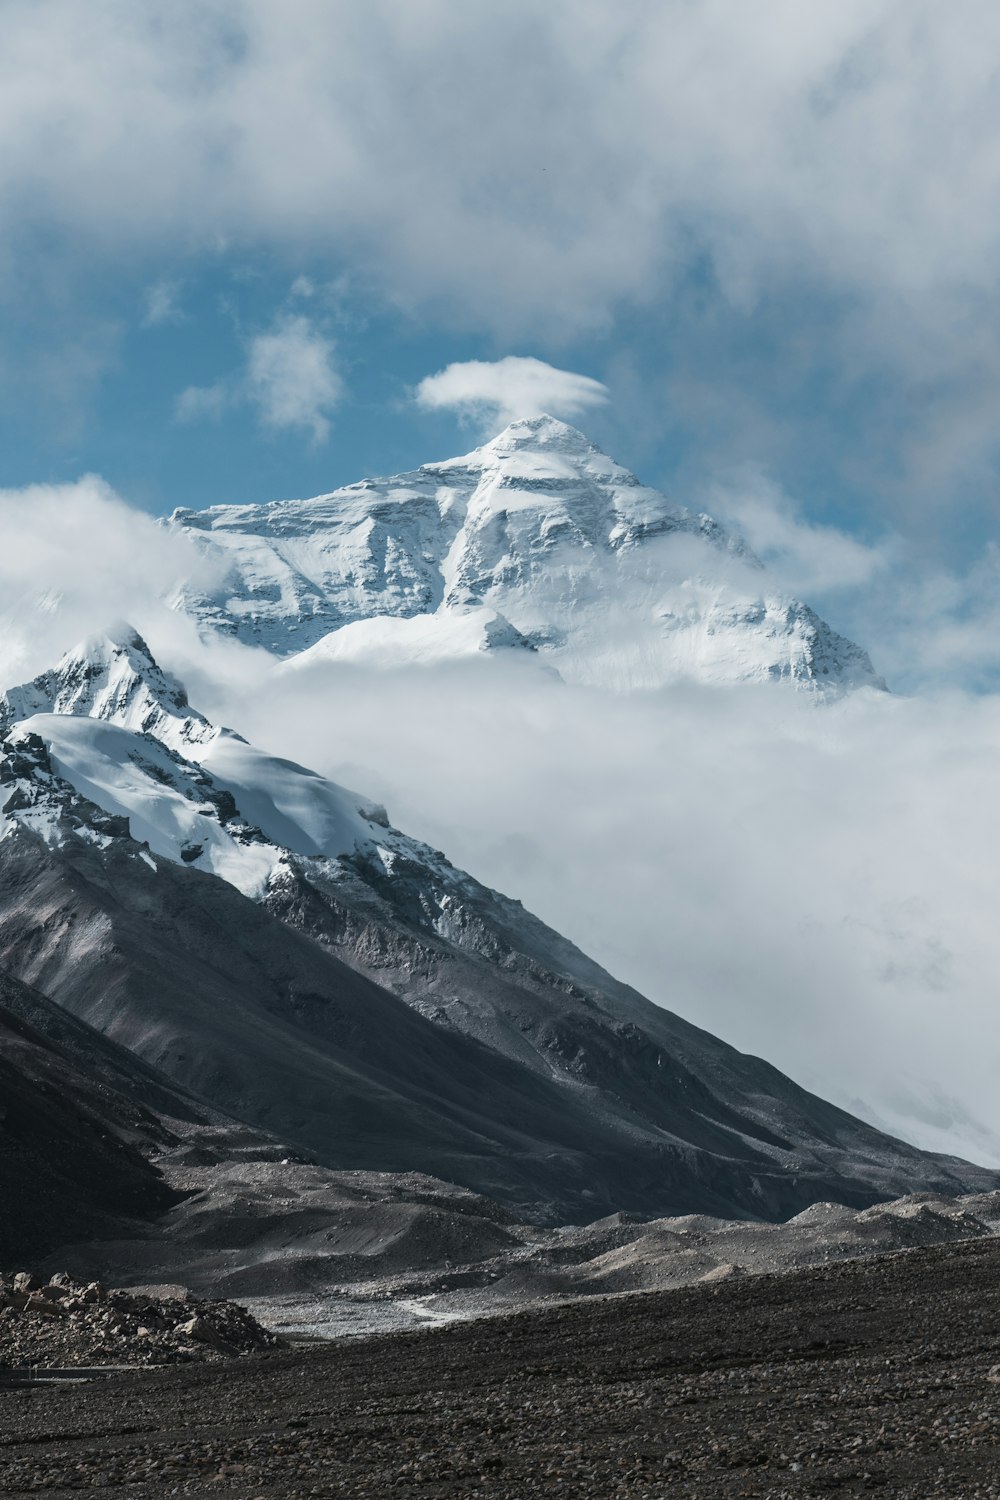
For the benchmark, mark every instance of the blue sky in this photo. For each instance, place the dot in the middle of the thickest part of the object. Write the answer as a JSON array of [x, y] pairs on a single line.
[[237, 242], [112, 400], [106, 374]]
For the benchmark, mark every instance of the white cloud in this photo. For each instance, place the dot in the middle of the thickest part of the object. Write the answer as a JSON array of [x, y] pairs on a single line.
[[814, 884], [858, 149], [932, 625], [928, 625], [848, 181], [74, 557], [494, 393], [290, 378]]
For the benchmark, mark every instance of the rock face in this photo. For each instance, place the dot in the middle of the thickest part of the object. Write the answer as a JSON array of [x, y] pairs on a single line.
[[268, 942], [536, 541]]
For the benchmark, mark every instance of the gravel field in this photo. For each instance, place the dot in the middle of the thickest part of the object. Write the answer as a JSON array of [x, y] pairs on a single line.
[[870, 1376]]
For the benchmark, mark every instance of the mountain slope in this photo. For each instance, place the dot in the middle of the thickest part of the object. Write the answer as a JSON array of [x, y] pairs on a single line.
[[74, 1131], [372, 1003], [537, 541]]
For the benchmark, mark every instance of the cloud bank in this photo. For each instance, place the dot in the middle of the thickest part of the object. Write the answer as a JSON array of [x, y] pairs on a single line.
[[854, 148], [814, 884]]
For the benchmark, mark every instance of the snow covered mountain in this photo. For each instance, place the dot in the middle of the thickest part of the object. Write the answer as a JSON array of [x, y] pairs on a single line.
[[268, 942], [536, 541], [112, 676], [120, 731]]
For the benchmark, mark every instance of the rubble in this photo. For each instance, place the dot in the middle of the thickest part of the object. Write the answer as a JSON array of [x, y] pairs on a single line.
[[60, 1322]]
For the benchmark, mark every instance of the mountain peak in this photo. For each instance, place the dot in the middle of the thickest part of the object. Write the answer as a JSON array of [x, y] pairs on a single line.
[[541, 430], [114, 676], [541, 434], [119, 642], [611, 582]]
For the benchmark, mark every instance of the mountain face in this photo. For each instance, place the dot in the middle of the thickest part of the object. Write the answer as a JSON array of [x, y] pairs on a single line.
[[77, 1119], [268, 942], [536, 542]]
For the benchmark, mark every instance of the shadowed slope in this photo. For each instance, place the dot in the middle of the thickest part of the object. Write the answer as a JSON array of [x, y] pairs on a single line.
[[72, 1145]]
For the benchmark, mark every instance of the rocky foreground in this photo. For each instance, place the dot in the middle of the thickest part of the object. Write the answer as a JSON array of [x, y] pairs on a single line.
[[870, 1376], [55, 1321]]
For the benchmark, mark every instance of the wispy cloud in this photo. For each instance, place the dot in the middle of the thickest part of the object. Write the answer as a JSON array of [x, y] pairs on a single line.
[[809, 558], [74, 557], [290, 378], [197, 403], [162, 305], [928, 622]]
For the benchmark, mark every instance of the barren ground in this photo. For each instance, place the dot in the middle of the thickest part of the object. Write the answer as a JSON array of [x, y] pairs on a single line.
[[870, 1376]]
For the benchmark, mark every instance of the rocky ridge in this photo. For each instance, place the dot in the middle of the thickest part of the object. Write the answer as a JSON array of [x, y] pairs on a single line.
[[112, 676], [80, 1120]]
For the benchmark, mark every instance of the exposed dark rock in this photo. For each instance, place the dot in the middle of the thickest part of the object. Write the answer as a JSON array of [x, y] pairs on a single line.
[[536, 1088]]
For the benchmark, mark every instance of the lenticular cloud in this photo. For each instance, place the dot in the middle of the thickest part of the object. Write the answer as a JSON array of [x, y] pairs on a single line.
[[494, 393]]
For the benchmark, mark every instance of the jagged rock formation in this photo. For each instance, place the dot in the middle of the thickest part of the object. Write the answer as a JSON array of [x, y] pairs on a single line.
[[535, 542], [113, 677]]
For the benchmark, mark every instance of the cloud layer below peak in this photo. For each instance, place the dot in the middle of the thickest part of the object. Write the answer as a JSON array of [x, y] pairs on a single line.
[[814, 884]]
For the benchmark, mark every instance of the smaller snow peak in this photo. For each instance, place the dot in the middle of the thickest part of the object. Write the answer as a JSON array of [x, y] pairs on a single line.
[[123, 636], [113, 676], [121, 653], [119, 639]]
